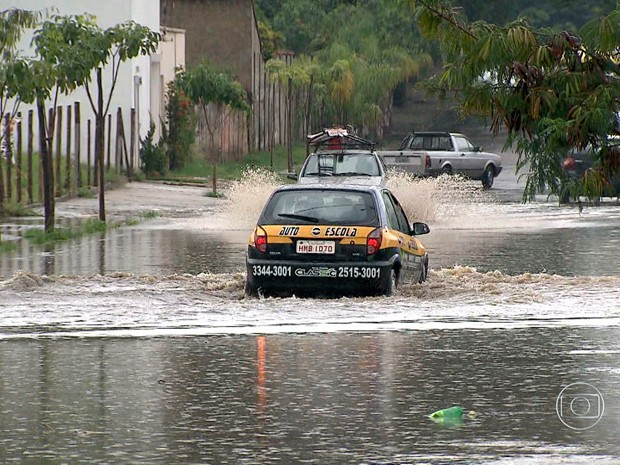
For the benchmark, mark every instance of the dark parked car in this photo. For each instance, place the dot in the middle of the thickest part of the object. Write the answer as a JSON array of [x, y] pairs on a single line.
[[575, 168]]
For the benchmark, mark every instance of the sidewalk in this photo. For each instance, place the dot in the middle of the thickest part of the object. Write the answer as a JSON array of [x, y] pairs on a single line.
[[134, 198]]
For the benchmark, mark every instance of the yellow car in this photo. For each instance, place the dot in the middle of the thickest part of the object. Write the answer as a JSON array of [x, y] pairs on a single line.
[[325, 239]]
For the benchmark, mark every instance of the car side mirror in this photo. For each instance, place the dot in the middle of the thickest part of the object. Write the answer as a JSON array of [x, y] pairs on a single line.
[[417, 229], [292, 176], [477, 149]]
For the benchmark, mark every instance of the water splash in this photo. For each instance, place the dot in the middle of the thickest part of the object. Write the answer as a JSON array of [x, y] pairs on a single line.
[[434, 200], [441, 200]]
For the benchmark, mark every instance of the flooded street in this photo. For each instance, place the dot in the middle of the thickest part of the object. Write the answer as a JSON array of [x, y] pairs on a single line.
[[138, 346]]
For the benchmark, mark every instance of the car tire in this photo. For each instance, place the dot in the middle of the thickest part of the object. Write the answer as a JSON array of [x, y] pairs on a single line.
[[424, 274], [488, 177], [447, 169], [250, 290], [390, 284]]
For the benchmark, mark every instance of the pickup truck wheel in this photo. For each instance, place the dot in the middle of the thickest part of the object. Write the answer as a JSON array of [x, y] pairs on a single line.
[[447, 169], [488, 177]]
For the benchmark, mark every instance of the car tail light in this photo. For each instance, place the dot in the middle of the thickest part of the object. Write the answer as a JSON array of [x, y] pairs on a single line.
[[427, 161], [260, 239], [373, 241], [568, 163]]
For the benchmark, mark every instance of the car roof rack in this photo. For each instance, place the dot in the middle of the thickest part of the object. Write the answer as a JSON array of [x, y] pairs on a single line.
[[338, 139]]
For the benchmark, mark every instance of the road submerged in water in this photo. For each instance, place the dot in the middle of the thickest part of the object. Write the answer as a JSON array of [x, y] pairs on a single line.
[[145, 350]]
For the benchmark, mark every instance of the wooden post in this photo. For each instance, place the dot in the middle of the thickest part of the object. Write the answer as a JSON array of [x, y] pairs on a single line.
[[29, 150], [8, 144], [2, 121], [68, 182], [119, 134], [45, 149], [78, 147], [88, 159], [109, 139], [18, 158], [132, 144], [58, 136], [124, 146]]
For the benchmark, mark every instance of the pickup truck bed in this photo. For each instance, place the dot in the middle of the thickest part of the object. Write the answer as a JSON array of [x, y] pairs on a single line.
[[434, 153]]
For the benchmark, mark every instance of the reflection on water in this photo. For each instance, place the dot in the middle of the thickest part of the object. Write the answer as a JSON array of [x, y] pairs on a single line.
[[314, 398], [132, 250], [526, 244]]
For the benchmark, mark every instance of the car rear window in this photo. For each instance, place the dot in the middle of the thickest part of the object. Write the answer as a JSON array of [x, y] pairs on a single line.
[[321, 206], [342, 164]]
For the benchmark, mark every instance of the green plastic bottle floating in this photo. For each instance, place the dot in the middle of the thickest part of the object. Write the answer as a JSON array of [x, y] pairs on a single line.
[[455, 412]]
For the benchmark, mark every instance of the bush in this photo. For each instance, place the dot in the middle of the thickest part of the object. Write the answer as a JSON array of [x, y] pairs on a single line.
[[153, 158], [180, 131]]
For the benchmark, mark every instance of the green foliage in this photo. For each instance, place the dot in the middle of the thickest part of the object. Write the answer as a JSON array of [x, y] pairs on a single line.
[[72, 47], [14, 69], [153, 159], [39, 236], [6, 246], [14, 209], [199, 169], [90, 226], [556, 14], [351, 57], [270, 40], [149, 215], [551, 91], [93, 225], [205, 84], [85, 192], [214, 195], [180, 132]]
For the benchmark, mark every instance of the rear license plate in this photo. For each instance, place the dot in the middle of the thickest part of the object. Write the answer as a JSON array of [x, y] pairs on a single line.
[[322, 247]]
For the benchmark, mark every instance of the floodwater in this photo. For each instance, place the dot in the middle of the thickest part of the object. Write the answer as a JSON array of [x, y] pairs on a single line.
[[138, 346]]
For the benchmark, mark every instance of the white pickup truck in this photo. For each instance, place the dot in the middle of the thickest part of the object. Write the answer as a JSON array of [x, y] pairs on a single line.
[[434, 153]]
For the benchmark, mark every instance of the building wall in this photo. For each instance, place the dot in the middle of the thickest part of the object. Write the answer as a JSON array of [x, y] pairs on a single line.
[[226, 33], [134, 79], [215, 29]]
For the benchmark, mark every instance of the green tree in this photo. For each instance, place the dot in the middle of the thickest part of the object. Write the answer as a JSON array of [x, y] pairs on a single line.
[[353, 57], [13, 67], [204, 85], [550, 91], [180, 130], [79, 50]]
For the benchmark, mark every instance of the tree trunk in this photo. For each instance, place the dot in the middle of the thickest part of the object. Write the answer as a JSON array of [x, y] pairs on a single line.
[[289, 128], [99, 144], [46, 161]]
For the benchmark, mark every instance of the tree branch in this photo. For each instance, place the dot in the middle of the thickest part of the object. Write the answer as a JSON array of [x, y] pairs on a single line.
[[448, 18]]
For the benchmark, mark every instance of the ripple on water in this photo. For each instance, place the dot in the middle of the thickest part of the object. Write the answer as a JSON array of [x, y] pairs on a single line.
[[215, 303]]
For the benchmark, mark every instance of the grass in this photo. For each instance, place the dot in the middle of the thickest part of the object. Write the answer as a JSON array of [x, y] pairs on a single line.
[[6, 246], [200, 169], [14, 209], [90, 226]]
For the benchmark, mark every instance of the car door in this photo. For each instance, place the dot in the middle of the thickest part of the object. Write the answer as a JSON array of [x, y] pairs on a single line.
[[407, 245], [471, 162]]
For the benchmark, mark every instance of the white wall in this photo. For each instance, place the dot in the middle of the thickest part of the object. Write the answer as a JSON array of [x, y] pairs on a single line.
[[107, 13]]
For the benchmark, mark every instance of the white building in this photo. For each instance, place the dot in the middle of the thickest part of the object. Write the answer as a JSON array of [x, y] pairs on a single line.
[[141, 80]]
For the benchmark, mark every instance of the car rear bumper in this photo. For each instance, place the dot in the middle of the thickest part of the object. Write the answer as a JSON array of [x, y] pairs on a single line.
[[317, 277]]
